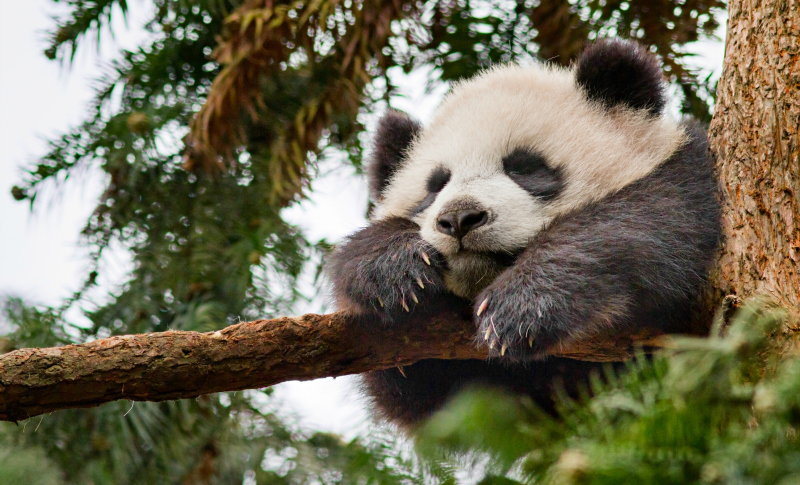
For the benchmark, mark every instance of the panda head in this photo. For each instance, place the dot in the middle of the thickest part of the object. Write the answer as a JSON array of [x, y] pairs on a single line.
[[514, 147]]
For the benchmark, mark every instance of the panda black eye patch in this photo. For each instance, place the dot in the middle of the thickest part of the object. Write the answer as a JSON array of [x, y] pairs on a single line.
[[528, 169], [436, 182], [438, 179]]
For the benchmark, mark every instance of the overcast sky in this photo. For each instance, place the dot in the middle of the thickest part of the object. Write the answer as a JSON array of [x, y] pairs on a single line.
[[40, 255]]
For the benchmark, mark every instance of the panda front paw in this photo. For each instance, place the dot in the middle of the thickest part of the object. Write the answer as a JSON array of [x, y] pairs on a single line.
[[512, 324], [386, 268]]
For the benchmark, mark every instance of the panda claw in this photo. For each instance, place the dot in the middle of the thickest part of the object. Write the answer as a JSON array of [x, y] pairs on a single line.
[[414, 297], [530, 341], [503, 350], [483, 306], [425, 257], [381, 302], [405, 306], [488, 332], [419, 282]]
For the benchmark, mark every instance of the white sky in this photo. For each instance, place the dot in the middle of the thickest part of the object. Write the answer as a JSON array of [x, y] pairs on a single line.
[[40, 256]]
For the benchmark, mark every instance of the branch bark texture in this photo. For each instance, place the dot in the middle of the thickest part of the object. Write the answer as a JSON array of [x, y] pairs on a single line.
[[176, 365], [755, 134]]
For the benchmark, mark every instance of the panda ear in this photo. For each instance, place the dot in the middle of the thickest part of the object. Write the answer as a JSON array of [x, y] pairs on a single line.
[[396, 131], [621, 72]]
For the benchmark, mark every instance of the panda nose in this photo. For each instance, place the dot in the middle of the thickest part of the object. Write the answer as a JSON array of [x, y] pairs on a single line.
[[458, 223]]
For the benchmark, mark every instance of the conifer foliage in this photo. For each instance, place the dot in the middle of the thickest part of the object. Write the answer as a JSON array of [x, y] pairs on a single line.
[[210, 128], [723, 409]]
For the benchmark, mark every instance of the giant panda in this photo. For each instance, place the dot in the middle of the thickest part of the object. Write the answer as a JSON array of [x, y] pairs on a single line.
[[560, 203]]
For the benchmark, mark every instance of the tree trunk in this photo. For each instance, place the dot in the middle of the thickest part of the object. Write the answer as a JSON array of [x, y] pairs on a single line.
[[754, 135]]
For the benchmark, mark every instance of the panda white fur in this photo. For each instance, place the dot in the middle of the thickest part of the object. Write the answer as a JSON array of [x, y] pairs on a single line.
[[560, 203]]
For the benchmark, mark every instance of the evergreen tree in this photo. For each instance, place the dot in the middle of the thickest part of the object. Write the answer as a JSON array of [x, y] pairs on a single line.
[[206, 133]]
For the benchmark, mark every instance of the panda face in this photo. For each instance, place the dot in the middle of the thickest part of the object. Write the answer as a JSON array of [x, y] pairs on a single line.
[[506, 153]]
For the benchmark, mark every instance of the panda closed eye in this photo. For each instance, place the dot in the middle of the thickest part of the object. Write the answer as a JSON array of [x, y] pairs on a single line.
[[436, 182], [528, 169]]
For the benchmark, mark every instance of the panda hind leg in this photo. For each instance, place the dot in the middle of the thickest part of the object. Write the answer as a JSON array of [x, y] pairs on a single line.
[[407, 397]]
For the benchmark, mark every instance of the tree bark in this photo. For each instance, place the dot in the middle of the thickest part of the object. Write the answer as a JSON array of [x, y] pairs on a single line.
[[177, 365], [754, 135]]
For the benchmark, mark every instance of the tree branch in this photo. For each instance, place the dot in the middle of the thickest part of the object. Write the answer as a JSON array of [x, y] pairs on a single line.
[[177, 364]]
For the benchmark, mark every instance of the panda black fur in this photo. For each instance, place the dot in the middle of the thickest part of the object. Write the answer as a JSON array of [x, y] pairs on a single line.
[[560, 203]]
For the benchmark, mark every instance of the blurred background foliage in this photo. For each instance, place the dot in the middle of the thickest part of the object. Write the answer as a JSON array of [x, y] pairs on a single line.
[[205, 133], [723, 409]]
